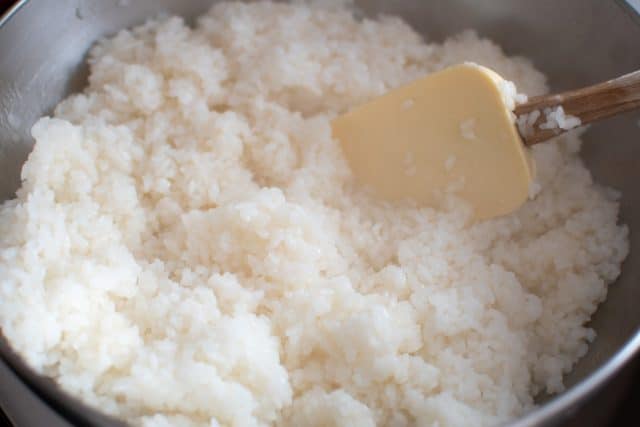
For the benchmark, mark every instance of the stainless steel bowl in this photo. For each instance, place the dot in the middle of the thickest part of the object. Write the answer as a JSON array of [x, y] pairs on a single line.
[[575, 42]]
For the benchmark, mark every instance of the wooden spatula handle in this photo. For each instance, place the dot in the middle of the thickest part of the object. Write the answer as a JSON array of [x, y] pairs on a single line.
[[588, 104]]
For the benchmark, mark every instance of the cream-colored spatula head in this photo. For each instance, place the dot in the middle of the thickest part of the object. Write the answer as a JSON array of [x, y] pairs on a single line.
[[454, 131], [450, 131]]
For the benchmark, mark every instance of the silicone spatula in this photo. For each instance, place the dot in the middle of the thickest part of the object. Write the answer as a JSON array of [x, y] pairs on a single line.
[[456, 131]]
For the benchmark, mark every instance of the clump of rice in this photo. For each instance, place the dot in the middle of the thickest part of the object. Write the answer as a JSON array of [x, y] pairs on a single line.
[[510, 95], [188, 247], [556, 118], [526, 122], [468, 129]]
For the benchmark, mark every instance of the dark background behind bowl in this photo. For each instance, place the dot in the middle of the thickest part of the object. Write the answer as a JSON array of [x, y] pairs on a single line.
[[617, 404]]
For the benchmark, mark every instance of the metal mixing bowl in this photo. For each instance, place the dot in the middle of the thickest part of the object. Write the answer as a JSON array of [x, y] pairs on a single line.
[[575, 42]]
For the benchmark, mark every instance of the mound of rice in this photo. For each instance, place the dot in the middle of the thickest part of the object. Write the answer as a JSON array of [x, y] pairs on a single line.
[[188, 247]]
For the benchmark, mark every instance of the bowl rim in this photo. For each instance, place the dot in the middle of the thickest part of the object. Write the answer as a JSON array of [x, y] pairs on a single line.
[[558, 407], [13, 9]]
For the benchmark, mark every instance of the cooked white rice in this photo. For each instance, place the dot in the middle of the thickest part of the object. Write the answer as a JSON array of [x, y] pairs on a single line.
[[188, 247], [556, 118]]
